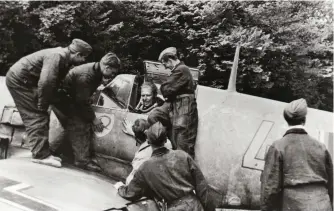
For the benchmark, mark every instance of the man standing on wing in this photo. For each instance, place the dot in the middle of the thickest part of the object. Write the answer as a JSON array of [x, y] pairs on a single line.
[[179, 90], [33, 81]]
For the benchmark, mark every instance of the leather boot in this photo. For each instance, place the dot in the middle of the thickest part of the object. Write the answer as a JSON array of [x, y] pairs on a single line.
[[90, 166], [49, 161]]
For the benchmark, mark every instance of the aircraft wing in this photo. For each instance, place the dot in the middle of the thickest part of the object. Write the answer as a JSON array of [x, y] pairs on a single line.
[[27, 186]]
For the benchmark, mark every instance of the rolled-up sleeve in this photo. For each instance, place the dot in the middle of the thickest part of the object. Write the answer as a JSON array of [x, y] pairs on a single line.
[[48, 80]]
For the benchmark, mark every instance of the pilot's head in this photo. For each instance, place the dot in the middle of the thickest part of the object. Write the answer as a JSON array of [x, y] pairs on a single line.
[[157, 135], [168, 58], [79, 50], [110, 65], [149, 92], [139, 127], [295, 112]]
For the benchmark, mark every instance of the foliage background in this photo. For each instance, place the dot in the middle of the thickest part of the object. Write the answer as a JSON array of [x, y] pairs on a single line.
[[287, 46]]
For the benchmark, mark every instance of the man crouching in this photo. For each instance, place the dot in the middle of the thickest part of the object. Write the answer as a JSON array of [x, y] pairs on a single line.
[[168, 176]]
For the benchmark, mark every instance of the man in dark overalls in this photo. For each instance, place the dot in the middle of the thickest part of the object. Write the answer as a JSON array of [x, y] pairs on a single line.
[[32, 81], [80, 84], [179, 92]]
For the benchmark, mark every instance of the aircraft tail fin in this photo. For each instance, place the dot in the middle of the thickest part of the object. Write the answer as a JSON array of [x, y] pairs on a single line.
[[233, 75]]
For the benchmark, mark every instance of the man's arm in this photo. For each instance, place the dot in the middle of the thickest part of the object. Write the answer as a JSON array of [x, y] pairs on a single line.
[[271, 181], [86, 109], [329, 169], [175, 82], [127, 128], [135, 189], [201, 185], [48, 80], [82, 97]]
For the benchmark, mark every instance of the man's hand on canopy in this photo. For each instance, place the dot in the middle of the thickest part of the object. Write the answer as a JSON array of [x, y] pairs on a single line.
[[128, 127]]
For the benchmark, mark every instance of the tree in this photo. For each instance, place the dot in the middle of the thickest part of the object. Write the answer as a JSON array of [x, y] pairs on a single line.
[[287, 47]]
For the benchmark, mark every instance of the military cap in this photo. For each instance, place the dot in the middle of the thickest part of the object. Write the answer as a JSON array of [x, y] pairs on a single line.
[[296, 109], [168, 51], [80, 46], [157, 134]]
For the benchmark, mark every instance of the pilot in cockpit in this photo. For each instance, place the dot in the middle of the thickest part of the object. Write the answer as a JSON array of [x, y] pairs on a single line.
[[149, 98]]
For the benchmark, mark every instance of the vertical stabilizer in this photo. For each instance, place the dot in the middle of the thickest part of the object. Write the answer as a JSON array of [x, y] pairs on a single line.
[[233, 76]]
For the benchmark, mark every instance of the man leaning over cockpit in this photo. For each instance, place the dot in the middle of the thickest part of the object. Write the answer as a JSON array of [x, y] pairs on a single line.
[[79, 85]]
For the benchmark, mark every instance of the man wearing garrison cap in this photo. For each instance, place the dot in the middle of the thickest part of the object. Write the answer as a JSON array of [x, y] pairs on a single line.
[[170, 176], [138, 130], [179, 92], [32, 82], [78, 86], [298, 171]]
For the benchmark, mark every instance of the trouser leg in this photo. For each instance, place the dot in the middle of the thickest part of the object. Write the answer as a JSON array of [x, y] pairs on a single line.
[[80, 135], [36, 122], [184, 117], [57, 133]]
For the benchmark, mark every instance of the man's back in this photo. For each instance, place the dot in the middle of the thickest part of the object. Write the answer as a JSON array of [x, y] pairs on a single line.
[[298, 174], [82, 81], [171, 176], [142, 155], [168, 174], [32, 64], [178, 83], [304, 158]]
